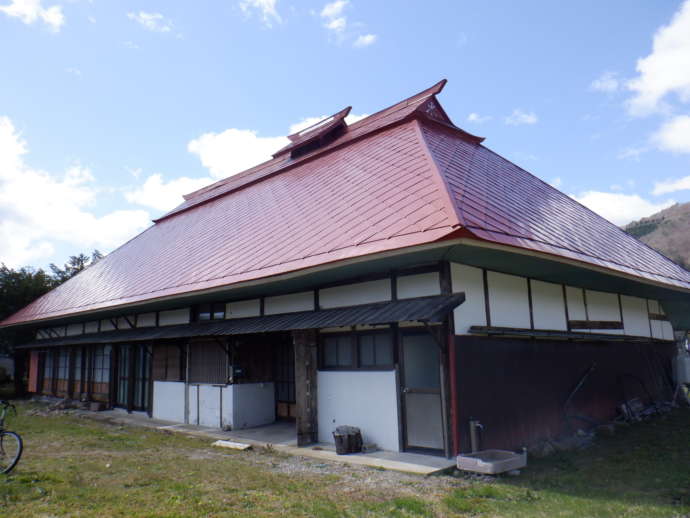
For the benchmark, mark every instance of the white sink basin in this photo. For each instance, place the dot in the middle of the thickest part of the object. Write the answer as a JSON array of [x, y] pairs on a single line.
[[492, 462]]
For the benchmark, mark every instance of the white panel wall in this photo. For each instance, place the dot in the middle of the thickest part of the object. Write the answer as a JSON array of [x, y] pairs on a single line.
[[173, 317], [354, 294], [635, 316], [603, 306], [107, 325], [472, 312], [168, 401], [548, 306], [576, 304], [91, 327], [418, 285], [146, 320], [74, 329], [367, 400], [291, 303], [122, 322], [508, 300], [253, 405], [243, 309], [236, 406], [209, 405], [657, 327]]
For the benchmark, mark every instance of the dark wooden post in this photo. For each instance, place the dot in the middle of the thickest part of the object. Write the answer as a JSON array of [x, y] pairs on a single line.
[[305, 343], [70, 372]]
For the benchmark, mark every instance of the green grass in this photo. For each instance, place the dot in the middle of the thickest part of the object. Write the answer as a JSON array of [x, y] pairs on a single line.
[[80, 467]]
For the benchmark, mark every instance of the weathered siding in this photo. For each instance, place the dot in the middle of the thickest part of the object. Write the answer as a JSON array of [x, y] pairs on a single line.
[[517, 388]]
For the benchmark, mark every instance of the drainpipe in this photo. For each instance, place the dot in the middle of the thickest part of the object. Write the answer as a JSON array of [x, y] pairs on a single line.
[[186, 387]]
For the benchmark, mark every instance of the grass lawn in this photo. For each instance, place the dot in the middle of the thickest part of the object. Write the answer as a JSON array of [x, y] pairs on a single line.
[[78, 467]]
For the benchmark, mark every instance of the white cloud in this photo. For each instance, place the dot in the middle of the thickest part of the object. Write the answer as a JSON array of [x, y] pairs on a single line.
[[479, 119], [670, 185], [519, 117], [674, 135], [556, 182], [31, 11], [161, 195], [73, 71], [667, 69], [334, 19], [607, 82], [154, 22], [631, 153], [39, 209], [130, 45], [334, 9], [235, 150], [620, 208], [265, 8], [364, 40]]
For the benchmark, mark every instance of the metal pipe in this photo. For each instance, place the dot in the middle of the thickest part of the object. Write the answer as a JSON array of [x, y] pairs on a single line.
[[475, 427]]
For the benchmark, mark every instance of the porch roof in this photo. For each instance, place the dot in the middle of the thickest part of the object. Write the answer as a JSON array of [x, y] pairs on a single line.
[[422, 309]]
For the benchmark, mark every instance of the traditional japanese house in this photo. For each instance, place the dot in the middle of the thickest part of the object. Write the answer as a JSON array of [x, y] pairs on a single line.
[[393, 274]]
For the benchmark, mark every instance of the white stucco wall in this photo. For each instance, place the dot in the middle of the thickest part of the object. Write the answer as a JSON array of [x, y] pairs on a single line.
[[74, 329], [354, 294], [146, 320], [367, 400], [168, 401], [107, 325], [418, 285], [123, 323], [635, 316], [603, 306], [576, 304], [243, 309], [508, 300], [91, 327], [472, 312], [173, 317], [548, 306], [290, 303]]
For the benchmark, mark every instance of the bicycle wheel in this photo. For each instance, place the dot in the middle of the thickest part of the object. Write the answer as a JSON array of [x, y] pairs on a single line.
[[10, 450]]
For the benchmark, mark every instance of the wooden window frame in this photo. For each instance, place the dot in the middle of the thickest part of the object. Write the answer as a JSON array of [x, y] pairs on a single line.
[[355, 335]]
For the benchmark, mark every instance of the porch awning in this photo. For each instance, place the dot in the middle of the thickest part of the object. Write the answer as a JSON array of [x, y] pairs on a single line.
[[421, 309]]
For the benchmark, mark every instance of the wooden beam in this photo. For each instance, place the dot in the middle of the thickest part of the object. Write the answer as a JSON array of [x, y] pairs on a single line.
[[306, 357], [594, 324]]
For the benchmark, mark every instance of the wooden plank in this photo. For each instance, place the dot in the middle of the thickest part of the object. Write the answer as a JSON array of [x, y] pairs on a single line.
[[594, 324], [305, 343]]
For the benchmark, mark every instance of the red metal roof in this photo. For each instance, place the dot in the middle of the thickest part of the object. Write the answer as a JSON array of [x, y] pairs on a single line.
[[401, 177]]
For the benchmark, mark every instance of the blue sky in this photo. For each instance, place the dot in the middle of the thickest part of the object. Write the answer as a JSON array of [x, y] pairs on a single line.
[[109, 111]]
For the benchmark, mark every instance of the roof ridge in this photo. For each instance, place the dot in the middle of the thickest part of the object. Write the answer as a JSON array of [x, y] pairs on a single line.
[[432, 90]]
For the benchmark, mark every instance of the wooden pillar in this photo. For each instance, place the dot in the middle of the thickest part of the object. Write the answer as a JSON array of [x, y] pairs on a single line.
[[70, 372], [305, 345]]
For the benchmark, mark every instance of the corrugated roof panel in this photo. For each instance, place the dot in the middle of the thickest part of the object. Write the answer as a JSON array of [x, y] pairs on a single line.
[[424, 309]]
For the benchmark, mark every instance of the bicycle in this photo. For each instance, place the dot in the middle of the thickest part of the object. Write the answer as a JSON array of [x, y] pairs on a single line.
[[11, 445]]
